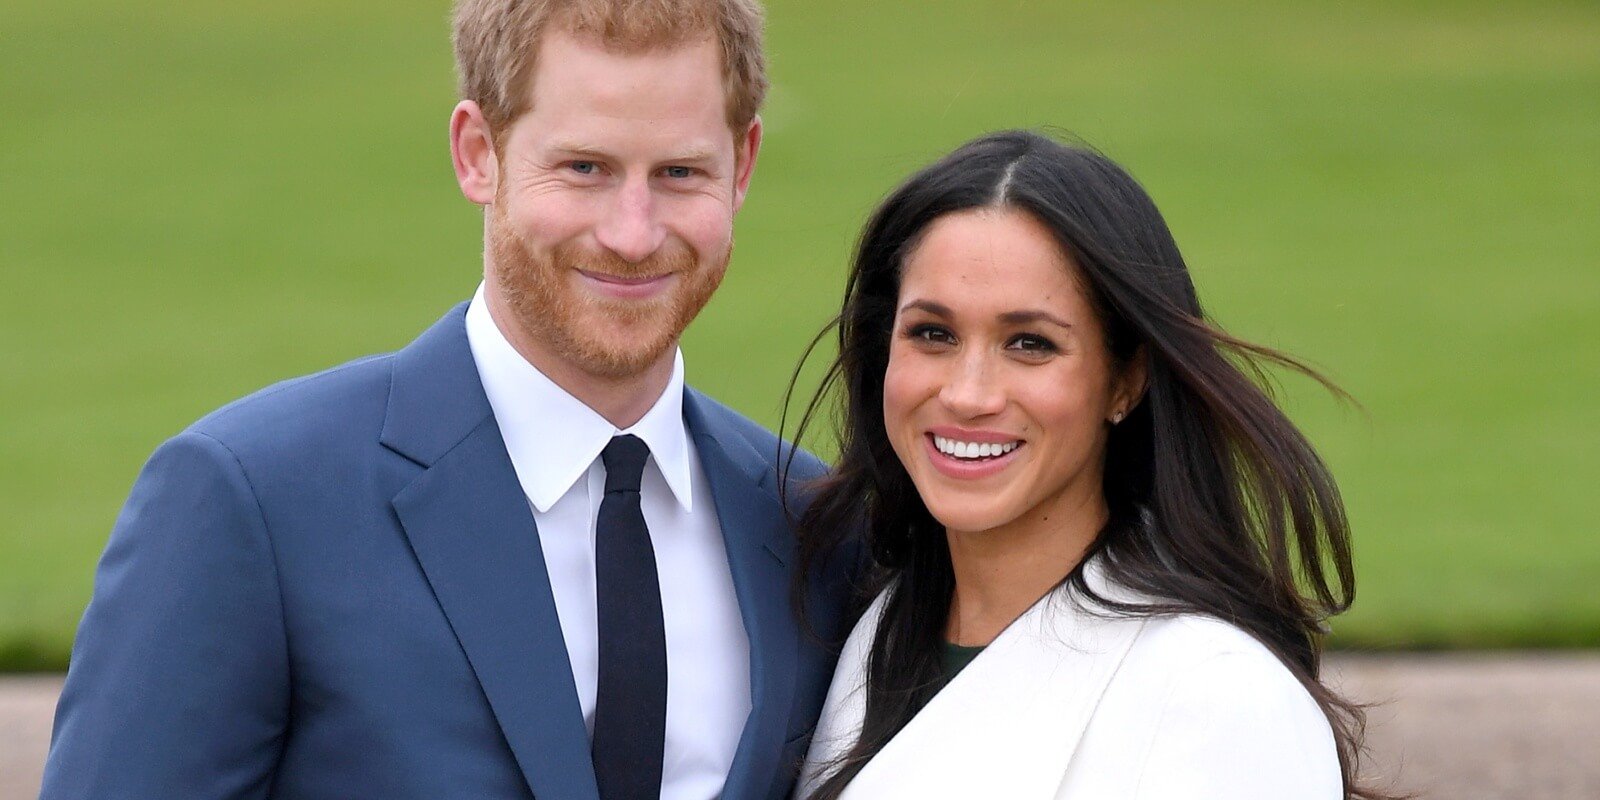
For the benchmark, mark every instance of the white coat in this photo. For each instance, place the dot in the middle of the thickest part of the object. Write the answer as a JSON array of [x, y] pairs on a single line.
[[1074, 705]]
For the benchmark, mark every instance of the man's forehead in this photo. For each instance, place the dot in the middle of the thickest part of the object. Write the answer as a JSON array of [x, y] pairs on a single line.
[[628, 41], [676, 81], [684, 150], [700, 55], [671, 103]]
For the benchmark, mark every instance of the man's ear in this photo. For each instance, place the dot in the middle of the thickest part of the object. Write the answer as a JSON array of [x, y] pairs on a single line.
[[473, 154], [744, 160]]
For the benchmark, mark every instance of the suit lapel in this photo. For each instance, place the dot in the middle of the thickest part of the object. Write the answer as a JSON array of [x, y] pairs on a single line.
[[469, 524], [760, 547], [1007, 725]]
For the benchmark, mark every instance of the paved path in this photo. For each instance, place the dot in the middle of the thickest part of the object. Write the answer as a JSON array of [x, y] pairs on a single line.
[[26, 705], [1455, 727], [1483, 727]]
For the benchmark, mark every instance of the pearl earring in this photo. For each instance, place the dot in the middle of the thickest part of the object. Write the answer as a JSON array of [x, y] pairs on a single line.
[[1116, 417]]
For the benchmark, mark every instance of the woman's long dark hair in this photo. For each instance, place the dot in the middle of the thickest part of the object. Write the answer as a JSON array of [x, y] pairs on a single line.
[[1218, 505]]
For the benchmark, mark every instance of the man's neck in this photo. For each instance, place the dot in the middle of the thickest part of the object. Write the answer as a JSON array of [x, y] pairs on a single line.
[[622, 401]]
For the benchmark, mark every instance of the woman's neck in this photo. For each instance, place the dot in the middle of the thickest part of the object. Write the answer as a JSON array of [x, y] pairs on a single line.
[[1001, 573]]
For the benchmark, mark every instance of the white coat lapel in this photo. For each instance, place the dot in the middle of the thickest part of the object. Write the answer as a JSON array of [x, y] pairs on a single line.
[[846, 705], [1007, 726]]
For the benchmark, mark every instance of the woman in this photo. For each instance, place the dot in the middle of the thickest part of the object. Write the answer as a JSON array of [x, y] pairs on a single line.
[[1070, 480]]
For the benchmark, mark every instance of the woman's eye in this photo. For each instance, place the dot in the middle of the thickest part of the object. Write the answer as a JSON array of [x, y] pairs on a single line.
[[1029, 343], [931, 334]]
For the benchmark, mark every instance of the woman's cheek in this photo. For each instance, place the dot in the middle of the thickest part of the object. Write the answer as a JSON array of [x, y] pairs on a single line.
[[902, 390]]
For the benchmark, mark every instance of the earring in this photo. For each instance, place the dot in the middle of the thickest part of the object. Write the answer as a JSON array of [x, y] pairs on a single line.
[[1116, 417]]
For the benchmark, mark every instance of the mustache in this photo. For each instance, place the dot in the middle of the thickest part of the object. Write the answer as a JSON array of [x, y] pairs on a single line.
[[674, 255]]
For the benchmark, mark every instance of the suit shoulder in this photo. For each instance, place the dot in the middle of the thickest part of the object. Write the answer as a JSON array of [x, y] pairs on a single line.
[[768, 444], [304, 410]]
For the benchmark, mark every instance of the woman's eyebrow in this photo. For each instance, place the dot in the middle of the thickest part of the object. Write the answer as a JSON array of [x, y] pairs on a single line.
[[1025, 317], [1019, 317], [928, 306]]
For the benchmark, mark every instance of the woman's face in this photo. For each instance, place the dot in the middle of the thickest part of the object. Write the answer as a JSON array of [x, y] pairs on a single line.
[[1000, 387]]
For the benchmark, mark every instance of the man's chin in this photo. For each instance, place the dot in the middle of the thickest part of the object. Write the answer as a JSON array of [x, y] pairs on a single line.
[[619, 364], [618, 349]]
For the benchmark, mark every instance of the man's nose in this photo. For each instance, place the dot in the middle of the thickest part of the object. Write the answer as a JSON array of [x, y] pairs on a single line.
[[971, 388], [630, 228]]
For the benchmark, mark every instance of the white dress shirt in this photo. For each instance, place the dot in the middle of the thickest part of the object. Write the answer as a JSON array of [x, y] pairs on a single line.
[[554, 441]]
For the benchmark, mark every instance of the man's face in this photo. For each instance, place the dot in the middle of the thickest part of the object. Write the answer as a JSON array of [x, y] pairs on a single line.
[[612, 222]]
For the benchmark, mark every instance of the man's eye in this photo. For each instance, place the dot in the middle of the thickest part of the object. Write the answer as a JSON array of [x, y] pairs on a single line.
[[678, 172], [584, 167]]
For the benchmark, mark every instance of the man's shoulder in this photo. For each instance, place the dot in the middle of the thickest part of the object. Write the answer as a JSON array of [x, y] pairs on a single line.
[[775, 450], [304, 411]]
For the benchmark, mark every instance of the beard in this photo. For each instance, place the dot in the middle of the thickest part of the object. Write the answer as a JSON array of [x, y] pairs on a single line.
[[607, 337]]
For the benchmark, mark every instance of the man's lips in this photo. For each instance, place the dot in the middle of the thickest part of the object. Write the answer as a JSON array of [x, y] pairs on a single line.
[[626, 286]]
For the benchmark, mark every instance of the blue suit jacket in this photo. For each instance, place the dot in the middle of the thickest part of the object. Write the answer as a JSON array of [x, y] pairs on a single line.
[[334, 589]]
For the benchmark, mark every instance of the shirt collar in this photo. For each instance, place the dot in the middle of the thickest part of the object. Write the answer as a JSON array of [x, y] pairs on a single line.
[[551, 436]]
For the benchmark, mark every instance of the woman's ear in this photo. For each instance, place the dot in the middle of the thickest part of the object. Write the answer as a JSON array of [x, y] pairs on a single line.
[[1131, 381]]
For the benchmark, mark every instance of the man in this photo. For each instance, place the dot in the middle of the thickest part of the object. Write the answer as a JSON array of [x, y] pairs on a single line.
[[517, 557]]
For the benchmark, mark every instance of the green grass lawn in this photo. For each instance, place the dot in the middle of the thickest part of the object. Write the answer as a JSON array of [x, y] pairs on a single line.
[[201, 198]]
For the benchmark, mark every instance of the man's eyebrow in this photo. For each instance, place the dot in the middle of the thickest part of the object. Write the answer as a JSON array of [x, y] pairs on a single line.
[[694, 154], [578, 149]]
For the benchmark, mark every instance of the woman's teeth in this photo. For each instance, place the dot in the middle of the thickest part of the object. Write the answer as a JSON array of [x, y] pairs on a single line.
[[958, 449]]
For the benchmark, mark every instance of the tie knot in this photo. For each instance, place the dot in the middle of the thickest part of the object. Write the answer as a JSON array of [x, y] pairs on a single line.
[[624, 458]]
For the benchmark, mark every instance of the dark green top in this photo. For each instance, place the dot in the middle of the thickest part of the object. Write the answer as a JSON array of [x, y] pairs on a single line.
[[956, 658]]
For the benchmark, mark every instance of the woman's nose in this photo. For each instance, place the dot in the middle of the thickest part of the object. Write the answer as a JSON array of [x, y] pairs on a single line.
[[971, 388]]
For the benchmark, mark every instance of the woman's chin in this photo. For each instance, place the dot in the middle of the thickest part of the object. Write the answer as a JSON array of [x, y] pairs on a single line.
[[966, 520]]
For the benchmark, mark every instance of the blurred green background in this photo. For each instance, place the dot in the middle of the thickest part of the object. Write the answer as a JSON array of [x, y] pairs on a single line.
[[200, 199]]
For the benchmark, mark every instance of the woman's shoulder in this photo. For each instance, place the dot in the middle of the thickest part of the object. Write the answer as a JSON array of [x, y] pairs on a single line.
[[1204, 660], [1208, 694], [1172, 645], [1193, 638]]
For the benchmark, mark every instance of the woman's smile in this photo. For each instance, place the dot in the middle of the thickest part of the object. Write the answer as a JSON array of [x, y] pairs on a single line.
[[969, 455]]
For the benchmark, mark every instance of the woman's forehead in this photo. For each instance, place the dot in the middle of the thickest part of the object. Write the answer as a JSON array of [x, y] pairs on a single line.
[[990, 256]]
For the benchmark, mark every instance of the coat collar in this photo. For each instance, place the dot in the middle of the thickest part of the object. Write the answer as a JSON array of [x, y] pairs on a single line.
[[435, 397], [1018, 710]]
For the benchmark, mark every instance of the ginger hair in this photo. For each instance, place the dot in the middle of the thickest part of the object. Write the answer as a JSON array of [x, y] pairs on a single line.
[[496, 45]]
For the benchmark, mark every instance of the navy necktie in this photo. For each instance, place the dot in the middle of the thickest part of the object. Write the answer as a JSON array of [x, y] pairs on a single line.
[[630, 709]]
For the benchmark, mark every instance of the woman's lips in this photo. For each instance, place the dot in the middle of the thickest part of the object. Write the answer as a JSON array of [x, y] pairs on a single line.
[[970, 468]]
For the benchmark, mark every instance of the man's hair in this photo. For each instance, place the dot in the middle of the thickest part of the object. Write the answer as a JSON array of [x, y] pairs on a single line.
[[497, 42]]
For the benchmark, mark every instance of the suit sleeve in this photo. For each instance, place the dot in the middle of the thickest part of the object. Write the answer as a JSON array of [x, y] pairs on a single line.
[[178, 685], [1239, 726]]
